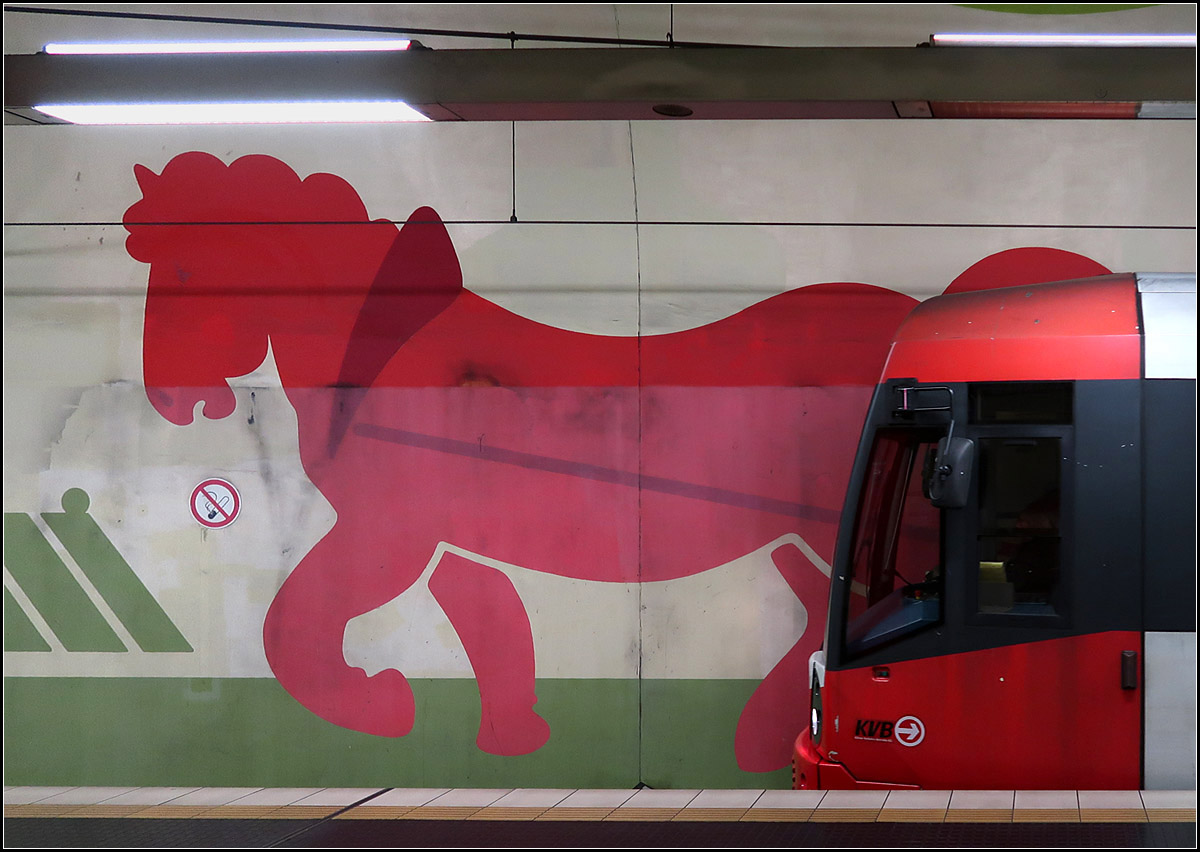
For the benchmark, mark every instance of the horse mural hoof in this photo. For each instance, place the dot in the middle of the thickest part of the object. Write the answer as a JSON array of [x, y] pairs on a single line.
[[380, 704], [521, 733]]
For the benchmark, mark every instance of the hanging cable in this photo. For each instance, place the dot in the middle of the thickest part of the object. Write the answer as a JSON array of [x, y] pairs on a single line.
[[510, 36]]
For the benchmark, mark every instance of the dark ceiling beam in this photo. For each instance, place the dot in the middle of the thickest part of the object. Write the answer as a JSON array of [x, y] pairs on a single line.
[[568, 83]]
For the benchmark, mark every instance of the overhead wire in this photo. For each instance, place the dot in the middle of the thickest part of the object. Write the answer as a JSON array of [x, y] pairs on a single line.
[[510, 36]]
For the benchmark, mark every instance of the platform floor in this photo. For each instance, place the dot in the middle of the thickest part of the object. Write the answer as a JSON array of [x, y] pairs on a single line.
[[252, 817]]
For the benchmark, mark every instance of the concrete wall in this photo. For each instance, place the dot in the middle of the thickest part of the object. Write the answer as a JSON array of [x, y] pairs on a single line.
[[605, 477]]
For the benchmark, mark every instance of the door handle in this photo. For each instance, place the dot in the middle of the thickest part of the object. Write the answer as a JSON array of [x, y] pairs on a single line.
[[1129, 670]]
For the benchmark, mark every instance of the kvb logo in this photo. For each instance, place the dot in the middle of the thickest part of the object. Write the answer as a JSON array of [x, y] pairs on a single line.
[[908, 730], [43, 584]]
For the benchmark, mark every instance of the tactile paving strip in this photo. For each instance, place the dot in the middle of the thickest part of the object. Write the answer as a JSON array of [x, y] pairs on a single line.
[[609, 806], [711, 814]]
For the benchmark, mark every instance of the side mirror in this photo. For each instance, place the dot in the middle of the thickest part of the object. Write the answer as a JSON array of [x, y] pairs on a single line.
[[948, 482]]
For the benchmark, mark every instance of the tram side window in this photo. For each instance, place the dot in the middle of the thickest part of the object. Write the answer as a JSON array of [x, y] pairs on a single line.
[[897, 573], [1021, 402], [1020, 531]]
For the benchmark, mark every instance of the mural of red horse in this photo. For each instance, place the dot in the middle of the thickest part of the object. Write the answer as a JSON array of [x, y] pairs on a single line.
[[428, 414]]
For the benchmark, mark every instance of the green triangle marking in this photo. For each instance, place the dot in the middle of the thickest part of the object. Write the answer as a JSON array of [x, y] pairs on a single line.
[[112, 577], [53, 590], [19, 631]]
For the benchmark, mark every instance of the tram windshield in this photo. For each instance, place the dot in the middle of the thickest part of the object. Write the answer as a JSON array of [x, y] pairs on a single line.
[[897, 554]]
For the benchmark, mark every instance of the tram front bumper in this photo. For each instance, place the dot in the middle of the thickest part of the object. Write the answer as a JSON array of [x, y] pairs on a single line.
[[812, 771]]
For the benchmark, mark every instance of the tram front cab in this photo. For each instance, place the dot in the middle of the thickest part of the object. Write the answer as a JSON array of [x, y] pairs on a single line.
[[1018, 539]]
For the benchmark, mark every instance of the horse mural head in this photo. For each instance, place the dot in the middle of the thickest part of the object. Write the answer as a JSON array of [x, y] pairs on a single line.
[[235, 253]]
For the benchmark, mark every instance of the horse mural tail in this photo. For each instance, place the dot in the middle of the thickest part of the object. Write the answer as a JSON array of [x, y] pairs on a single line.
[[246, 255]]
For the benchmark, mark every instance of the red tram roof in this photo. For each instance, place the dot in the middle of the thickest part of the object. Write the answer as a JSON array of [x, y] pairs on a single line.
[[1085, 329]]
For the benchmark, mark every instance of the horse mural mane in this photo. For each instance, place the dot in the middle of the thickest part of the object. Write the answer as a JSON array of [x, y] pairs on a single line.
[[440, 425], [255, 233]]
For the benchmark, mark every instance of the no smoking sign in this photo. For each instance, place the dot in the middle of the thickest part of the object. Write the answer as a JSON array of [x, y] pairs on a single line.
[[215, 503]]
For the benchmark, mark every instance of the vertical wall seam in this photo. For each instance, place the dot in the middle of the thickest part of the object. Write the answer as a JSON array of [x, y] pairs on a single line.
[[638, 264], [513, 216]]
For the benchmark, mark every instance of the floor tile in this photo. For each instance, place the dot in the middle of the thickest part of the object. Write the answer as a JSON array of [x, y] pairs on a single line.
[[85, 795], [1170, 805], [724, 799], [1169, 798], [596, 799], [150, 796], [468, 798], [849, 806], [660, 799], [915, 806], [980, 806], [531, 798], [1046, 799], [1046, 806], [337, 796], [212, 797], [841, 799], [967, 799], [276, 796], [918, 799], [789, 799], [30, 795], [406, 797], [1111, 806]]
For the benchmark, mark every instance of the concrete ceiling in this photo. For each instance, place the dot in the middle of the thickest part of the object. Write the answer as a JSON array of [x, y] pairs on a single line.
[[624, 61]]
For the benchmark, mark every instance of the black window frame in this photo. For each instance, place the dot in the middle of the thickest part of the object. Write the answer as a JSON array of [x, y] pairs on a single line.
[[918, 435], [1062, 597]]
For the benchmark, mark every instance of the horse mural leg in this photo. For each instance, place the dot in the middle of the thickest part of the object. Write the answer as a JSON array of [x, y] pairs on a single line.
[[778, 709], [349, 572], [490, 620]]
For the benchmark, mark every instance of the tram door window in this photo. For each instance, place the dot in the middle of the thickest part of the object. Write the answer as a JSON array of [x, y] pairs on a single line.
[[1020, 530], [1022, 432]]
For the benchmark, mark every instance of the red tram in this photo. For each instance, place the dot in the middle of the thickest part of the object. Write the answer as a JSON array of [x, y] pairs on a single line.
[[1013, 596]]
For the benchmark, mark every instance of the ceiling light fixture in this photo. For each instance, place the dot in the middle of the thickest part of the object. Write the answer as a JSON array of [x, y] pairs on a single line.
[[133, 48], [672, 110], [302, 112], [1059, 40]]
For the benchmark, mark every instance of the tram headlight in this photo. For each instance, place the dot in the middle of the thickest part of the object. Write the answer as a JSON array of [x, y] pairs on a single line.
[[815, 722]]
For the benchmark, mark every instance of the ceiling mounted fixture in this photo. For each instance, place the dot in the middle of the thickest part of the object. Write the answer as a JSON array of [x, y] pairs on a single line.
[[601, 84], [672, 110], [1059, 40], [176, 47], [301, 112]]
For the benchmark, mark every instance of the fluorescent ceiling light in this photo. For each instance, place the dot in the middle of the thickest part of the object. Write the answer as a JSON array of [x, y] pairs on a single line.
[[1050, 40], [305, 112], [228, 47]]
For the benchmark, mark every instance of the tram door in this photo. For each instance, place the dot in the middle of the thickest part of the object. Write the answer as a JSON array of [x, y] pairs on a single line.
[[996, 640], [1061, 684]]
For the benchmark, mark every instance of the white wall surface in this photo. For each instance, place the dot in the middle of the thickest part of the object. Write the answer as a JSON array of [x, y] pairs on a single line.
[[649, 227]]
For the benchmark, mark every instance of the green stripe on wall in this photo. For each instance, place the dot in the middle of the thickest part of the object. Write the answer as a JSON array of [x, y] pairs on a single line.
[[53, 590], [687, 735], [19, 632], [249, 732]]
